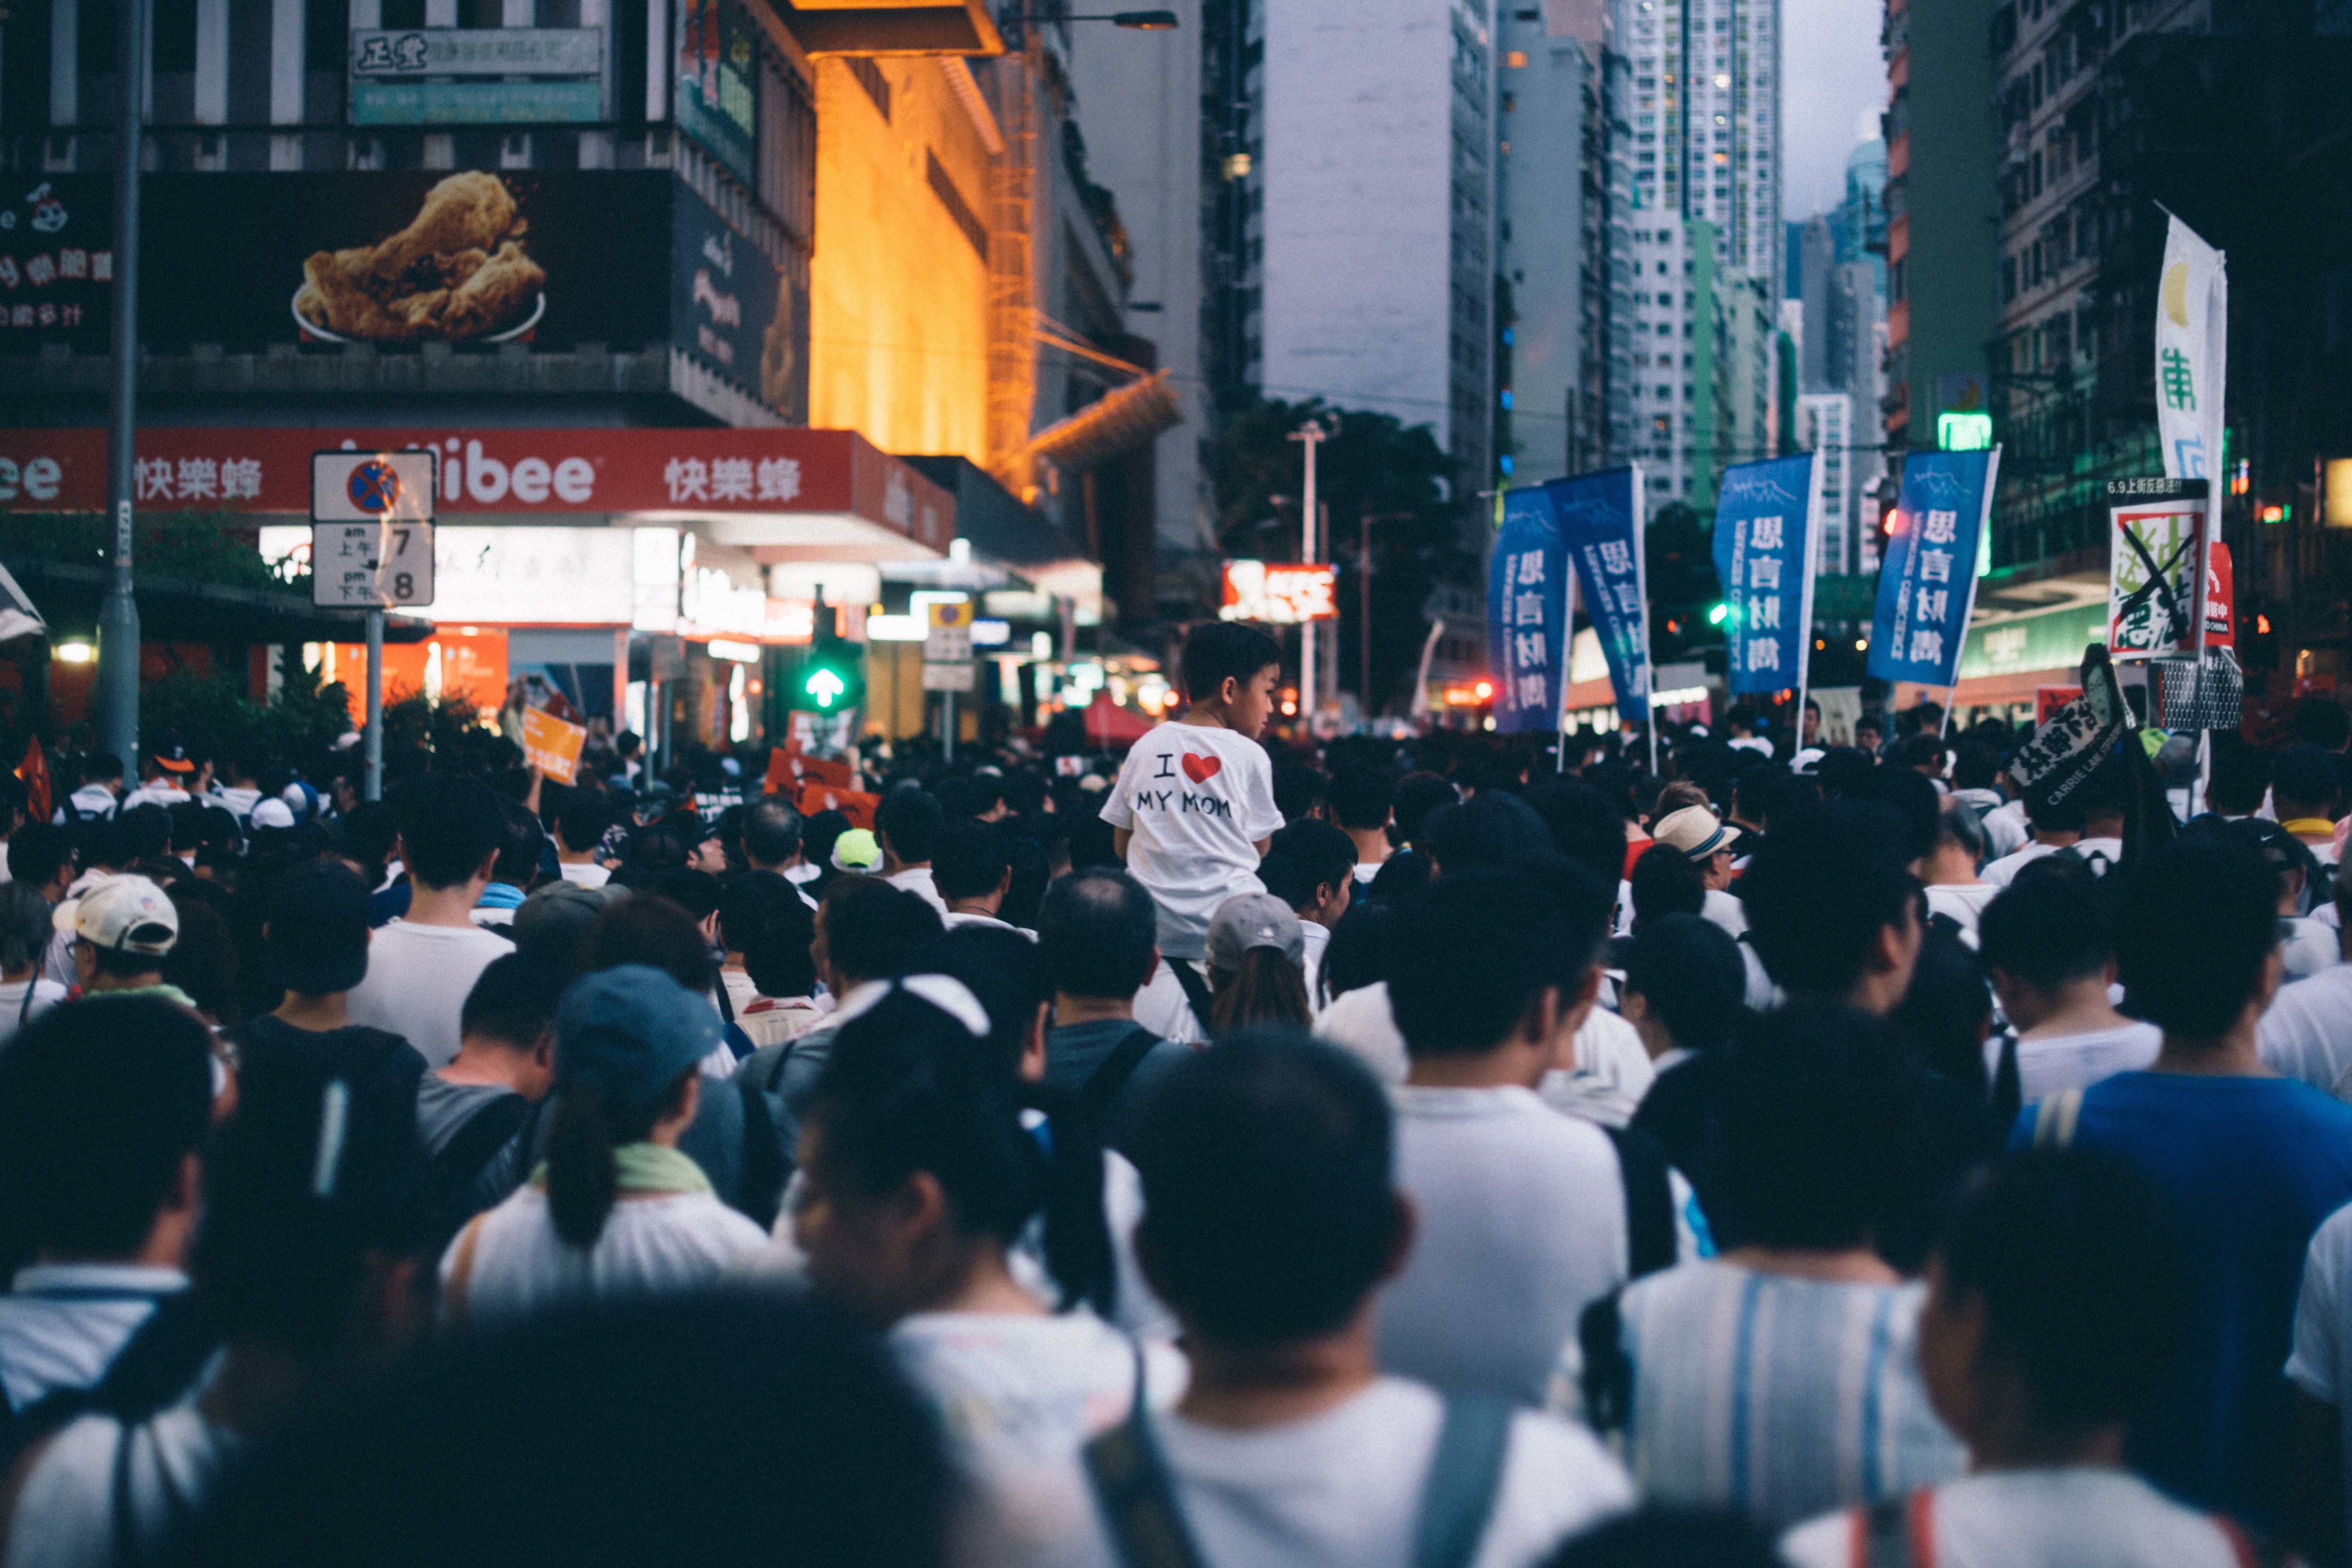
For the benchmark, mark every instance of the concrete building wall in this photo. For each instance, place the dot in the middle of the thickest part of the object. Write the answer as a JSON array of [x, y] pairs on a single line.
[[1941, 144], [898, 287]]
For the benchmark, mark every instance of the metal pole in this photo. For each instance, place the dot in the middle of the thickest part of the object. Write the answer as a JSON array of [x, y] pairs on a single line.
[[1312, 434], [372, 775], [117, 613], [1364, 622], [947, 726]]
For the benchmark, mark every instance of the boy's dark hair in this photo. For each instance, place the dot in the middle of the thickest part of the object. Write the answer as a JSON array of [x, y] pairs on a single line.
[[749, 1382], [449, 824], [2241, 776], [1361, 798], [1585, 826], [2046, 931], [1217, 651], [971, 860], [2306, 776], [871, 928], [1921, 751], [762, 916], [1689, 972], [697, 892], [2197, 921], [143, 833], [1975, 765], [513, 1000], [1667, 881], [771, 833], [1815, 1097], [1321, 855], [1096, 929], [583, 819], [913, 824], [36, 851], [2076, 1259], [1418, 794], [99, 1101], [1270, 1207], [1472, 957], [521, 842], [1821, 888]]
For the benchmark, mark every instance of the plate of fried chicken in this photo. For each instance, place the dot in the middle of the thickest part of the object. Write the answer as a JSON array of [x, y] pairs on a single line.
[[457, 273]]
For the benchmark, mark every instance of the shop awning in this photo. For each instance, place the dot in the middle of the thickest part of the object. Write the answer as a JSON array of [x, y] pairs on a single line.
[[172, 609], [1108, 724]]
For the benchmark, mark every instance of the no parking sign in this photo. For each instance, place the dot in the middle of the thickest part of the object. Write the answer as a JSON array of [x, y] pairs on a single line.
[[372, 539]]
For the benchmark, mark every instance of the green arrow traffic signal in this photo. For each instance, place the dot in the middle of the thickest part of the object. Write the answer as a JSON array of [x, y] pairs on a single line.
[[825, 687]]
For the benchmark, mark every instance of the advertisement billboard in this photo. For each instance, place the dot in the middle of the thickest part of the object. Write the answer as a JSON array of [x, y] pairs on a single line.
[[718, 70], [627, 259], [1279, 593]]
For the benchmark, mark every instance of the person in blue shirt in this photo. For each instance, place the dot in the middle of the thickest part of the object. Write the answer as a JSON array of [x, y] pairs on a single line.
[[2251, 1161]]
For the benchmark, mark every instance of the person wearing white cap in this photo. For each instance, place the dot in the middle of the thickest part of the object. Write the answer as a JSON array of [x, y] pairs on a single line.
[[1256, 954], [122, 929], [272, 812]]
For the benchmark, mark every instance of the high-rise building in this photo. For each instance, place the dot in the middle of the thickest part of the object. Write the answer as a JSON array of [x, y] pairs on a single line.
[[1564, 290], [1375, 238], [1705, 172]]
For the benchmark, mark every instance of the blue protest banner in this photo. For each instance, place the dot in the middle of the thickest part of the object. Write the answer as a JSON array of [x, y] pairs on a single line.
[[1764, 547], [1526, 615], [1601, 527], [1928, 575]]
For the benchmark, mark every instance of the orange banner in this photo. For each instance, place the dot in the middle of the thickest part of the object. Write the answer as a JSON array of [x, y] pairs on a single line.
[[550, 745], [850, 803]]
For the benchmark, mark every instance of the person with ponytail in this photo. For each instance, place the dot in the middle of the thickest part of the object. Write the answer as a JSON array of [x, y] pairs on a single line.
[[924, 1157], [616, 1210], [1256, 952]]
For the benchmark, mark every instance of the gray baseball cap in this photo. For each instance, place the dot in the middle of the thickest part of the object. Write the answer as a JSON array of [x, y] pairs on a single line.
[[1250, 921]]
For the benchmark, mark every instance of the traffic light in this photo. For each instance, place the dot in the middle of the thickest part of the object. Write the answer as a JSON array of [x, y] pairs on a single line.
[[832, 676], [1964, 432]]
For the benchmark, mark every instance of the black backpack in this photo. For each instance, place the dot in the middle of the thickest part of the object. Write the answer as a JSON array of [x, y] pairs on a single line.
[[1608, 1382], [153, 1369]]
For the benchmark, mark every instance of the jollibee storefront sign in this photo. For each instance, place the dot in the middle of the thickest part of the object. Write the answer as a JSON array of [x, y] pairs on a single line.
[[521, 471]]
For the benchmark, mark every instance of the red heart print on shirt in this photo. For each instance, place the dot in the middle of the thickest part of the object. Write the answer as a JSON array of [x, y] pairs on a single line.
[[1200, 769]]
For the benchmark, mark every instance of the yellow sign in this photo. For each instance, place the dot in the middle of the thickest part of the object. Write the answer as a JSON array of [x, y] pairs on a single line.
[[952, 615], [550, 745]]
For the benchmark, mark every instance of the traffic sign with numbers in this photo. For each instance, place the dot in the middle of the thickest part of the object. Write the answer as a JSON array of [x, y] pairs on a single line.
[[371, 565]]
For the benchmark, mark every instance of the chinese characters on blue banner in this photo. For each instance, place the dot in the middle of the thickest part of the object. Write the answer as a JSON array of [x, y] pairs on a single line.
[[1764, 537], [1927, 579], [1600, 528], [1526, 615]]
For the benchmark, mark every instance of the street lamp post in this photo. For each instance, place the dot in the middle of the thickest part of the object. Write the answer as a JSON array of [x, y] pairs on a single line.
[[117, 613], [1314, 435]]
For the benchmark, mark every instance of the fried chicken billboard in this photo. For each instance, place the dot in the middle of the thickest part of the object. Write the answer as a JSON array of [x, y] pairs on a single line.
[[474, 260]]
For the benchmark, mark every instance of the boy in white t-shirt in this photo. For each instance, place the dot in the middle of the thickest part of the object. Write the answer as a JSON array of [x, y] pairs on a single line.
[[2055, 1303], [1193, 808]]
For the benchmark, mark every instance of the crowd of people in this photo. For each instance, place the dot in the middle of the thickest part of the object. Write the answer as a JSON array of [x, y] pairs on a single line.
[[1444, 1152]]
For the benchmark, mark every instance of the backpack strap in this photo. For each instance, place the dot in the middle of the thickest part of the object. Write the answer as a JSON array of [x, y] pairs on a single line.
[[1196, 989], [1465, 1475], [1136, 1493], [765, 1163], [2249, 1551], [1110, 1075], [2054, 1118], [1608, 1377], [2008, 1082], [1896, 1532], [470, 1148], [1649, 1202]]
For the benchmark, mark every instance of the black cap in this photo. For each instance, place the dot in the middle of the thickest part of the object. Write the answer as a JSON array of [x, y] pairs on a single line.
[[317, 929]]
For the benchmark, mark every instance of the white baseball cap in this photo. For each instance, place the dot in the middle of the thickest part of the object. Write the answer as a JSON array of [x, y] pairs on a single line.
[[272, 812], [128, 914]]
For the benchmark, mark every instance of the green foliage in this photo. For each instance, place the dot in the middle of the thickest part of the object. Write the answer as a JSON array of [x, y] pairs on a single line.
[[1373, 465], [189, 545], [210, 714]]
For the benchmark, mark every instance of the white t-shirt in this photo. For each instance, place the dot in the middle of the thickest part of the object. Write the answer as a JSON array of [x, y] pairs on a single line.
[[1198, 799], [2078, 1061], [587, 874], [1964, 902], [2006, 829], [62, 1324], [2307, 946], [1318, 938], [1016, 1398], [2321, 1361], [1360, 1023], [1343, 1489], [64, 1517], [154, 795], [2307, 1033], [1613, 1071], [1522, 1221], [917, 879], [16, 1010], [652, 1243], [2072, 1518], [417, 978], [1162, 1007]]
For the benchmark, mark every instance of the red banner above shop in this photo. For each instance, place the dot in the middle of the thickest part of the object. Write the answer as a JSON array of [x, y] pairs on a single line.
[[688, 473]]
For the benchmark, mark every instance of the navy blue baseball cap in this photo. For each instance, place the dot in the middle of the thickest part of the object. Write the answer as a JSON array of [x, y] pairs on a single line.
[[631, 1031]]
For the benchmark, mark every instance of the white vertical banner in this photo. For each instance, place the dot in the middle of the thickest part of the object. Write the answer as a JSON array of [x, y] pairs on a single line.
[[2192, 318]]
